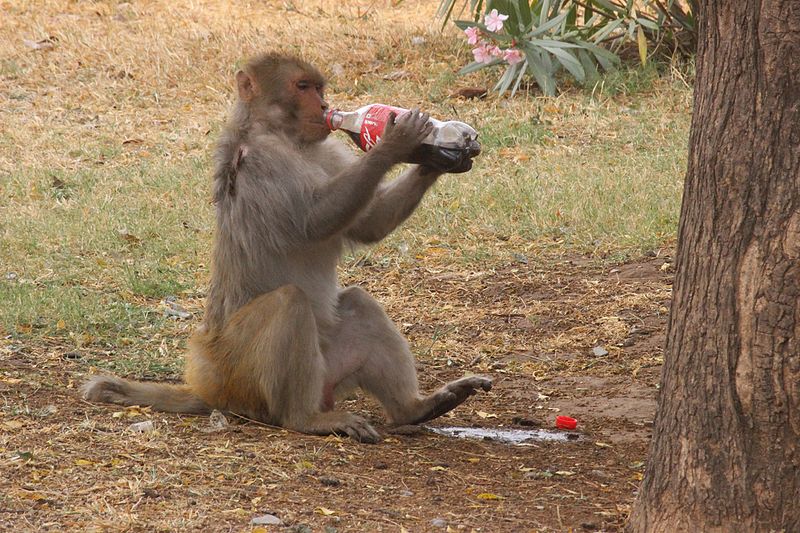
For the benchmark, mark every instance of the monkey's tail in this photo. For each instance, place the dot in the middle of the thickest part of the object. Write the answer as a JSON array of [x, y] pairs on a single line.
[[160, 396]]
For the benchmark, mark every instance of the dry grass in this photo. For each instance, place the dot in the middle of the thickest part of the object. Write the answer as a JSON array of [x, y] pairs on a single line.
[[108, 112]]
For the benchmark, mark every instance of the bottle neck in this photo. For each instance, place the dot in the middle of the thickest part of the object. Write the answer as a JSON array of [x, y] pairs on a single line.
[[333, 119]]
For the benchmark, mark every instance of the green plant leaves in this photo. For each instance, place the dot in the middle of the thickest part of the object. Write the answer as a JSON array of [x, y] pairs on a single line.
[[554, 37]]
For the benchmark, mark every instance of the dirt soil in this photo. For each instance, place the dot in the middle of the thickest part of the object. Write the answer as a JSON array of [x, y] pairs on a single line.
[[573, 337]]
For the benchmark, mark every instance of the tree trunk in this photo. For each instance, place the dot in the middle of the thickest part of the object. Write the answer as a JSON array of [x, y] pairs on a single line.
[[724, 455]]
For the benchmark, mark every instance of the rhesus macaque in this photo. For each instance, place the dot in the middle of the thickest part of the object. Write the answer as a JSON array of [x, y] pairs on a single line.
[[281, 339]]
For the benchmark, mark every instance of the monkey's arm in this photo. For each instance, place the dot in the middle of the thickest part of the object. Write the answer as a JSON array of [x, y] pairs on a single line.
[[392, 204], [337, 202]]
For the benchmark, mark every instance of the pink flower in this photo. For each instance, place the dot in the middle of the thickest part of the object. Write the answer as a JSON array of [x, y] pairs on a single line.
[[473, 35], [513, 56], [483, 53], [495, 51], [494, 21]]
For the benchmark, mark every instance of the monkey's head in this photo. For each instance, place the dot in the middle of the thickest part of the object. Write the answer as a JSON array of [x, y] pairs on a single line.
[[284, 93]]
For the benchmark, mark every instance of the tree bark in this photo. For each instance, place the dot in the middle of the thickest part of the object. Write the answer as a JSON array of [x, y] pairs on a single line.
[[724, 455]]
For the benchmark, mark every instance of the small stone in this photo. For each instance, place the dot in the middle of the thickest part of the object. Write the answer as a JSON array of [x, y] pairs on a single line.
[[521, 258], [142, 427], [266, 520], [216, 422], [439, 522], [330, 481], [418, 40], [599, 351], [173, 309], [406, 493]]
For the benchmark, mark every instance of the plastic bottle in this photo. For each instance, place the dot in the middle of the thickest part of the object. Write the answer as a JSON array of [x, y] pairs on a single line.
[[449, 147]]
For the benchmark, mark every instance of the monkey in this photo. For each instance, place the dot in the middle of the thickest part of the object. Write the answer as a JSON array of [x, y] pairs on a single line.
[[280, 340]]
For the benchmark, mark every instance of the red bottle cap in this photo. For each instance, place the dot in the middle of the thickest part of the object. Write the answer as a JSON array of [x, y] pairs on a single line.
[[565, 422]]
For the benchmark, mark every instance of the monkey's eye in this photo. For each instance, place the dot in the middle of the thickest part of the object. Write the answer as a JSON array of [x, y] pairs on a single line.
[[303, 85]]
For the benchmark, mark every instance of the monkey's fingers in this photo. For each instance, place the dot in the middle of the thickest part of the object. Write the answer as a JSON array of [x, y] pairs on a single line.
[[356, 428], [360, 430], [406, 118], [463, 166], [427, 126], [390, 124]]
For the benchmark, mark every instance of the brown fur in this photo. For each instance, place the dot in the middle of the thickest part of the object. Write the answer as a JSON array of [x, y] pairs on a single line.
[[280, 338]]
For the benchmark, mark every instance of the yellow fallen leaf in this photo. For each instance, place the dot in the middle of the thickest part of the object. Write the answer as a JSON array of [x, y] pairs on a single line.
[[324, 511], [638, 476], [484, 414], [61, 325], [436, 250], [11, 381], [474, 460], [83, 462], [565, 473], [602, 445], [642, 42], [31, 495], [438, 468], [488, 496], [12, 424]]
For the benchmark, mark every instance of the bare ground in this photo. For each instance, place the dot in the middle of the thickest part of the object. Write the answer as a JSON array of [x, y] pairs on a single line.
[[69, 465]]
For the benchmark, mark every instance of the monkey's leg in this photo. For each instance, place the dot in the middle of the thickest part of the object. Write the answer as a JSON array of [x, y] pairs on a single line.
[[368, 351], [267, 364]]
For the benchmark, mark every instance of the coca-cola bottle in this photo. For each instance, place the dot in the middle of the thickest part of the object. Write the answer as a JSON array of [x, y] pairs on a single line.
[[450, 147]]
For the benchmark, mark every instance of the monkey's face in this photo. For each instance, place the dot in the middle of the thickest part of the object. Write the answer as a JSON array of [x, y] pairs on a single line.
[[307, 95]]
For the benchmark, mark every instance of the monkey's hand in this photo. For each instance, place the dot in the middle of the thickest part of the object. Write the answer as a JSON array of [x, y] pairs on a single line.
[[403, 135], [465, 165]]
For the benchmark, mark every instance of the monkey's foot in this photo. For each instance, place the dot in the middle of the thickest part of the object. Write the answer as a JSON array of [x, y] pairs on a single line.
[[449, 397], [342, 423]]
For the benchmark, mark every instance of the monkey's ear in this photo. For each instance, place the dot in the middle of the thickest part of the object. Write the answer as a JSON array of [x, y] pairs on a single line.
[[247, 86]]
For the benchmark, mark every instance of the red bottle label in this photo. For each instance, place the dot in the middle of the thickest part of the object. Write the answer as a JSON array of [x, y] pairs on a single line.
[[374, 123]]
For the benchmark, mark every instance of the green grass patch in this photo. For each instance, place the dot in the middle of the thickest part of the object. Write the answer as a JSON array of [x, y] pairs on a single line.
[[91, 249]]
